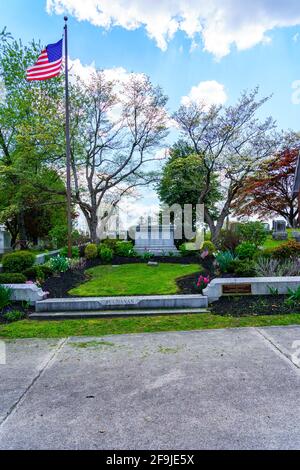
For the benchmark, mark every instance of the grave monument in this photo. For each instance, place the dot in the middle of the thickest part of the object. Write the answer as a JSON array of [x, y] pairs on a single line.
[[5, 240], [279, 230], [155, 239]]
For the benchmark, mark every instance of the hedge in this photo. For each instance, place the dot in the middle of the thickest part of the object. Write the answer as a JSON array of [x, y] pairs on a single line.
[[12, 278], [18, 261]]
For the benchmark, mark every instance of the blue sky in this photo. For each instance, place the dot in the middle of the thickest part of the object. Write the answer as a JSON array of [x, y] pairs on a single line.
[[180, 44], [273, 65]]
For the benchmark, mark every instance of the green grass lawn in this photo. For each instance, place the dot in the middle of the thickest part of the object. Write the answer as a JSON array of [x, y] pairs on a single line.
[[134, 279], [111, 326]]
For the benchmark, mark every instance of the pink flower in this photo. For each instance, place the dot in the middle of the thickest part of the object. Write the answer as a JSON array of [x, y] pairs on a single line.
[[29, 282]]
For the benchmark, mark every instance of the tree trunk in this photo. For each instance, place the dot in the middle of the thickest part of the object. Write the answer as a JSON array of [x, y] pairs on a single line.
[[208, 219], [216, 233], [215, 229], [91, 218], [22, 230], [92, 221], [299, 209], [12, 228], [292, 220]]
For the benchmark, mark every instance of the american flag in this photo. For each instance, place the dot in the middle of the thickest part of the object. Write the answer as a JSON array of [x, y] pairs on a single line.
[[49, 63]]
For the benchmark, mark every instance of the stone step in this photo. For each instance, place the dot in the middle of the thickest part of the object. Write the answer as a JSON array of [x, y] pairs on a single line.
[[82, 304], [115, 313]]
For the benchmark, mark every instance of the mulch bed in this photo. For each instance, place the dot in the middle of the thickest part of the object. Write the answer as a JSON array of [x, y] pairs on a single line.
[[59, 286], [239, 306], [187, 284]]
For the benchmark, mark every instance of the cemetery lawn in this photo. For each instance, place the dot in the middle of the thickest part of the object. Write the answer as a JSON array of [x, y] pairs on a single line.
[[270, 243], [134, 279], [111, 326]]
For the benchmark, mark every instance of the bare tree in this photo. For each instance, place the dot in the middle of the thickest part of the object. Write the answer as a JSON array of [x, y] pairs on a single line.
[[231, 141], [116, 130]]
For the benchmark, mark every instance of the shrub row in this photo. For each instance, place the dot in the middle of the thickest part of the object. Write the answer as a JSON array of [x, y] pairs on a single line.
[[38, 272], [108, 248], [12, 278], [251, 232], [75, 252], [18, 261], [248, 260]]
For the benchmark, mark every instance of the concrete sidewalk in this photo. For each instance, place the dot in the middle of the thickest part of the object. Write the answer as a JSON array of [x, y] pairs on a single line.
[[218, 389]]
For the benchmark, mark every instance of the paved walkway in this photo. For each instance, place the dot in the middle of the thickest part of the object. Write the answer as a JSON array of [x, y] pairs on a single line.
[[221, 389]]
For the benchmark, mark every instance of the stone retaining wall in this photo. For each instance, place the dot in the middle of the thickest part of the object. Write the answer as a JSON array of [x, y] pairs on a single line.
[[121, 303], [250, 286], [26, 293]]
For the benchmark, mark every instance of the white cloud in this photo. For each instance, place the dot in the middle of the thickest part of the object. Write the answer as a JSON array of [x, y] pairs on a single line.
[[220, 23], [85, 72], [296, 37], [117, 75], [77, 69], [207, 93]]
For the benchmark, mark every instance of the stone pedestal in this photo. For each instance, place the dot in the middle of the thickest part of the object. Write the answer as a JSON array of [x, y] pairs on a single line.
[[296, 236], [279, 236], [279, 230], [30, 293], [158, 240], [4, 241]]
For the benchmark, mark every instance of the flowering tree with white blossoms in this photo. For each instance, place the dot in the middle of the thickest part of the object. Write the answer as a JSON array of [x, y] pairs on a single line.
[[116, 131]]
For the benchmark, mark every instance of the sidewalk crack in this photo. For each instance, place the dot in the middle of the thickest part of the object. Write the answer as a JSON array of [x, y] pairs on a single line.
[[43, 368], [281, 351]]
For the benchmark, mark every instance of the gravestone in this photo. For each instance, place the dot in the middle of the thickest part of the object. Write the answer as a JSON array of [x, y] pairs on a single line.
[[296, 236], [279, 230], [266, 227], [5, 240], [158, 240]]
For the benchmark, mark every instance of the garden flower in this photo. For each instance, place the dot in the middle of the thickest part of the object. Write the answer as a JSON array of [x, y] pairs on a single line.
[[202, 282]]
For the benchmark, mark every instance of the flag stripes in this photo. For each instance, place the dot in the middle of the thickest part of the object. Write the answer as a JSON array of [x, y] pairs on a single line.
[[48, 65]]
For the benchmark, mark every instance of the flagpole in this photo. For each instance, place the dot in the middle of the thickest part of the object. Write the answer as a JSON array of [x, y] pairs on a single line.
[[68, 148]]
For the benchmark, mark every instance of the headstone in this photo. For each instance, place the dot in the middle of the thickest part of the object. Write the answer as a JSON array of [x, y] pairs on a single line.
[[5, 240], [279, 230], [266, 227], [296, 236], [157, 239]]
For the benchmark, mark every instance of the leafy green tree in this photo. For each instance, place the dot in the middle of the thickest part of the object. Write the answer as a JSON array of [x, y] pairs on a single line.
[[31, 143], [183, 179], [253, 232]]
